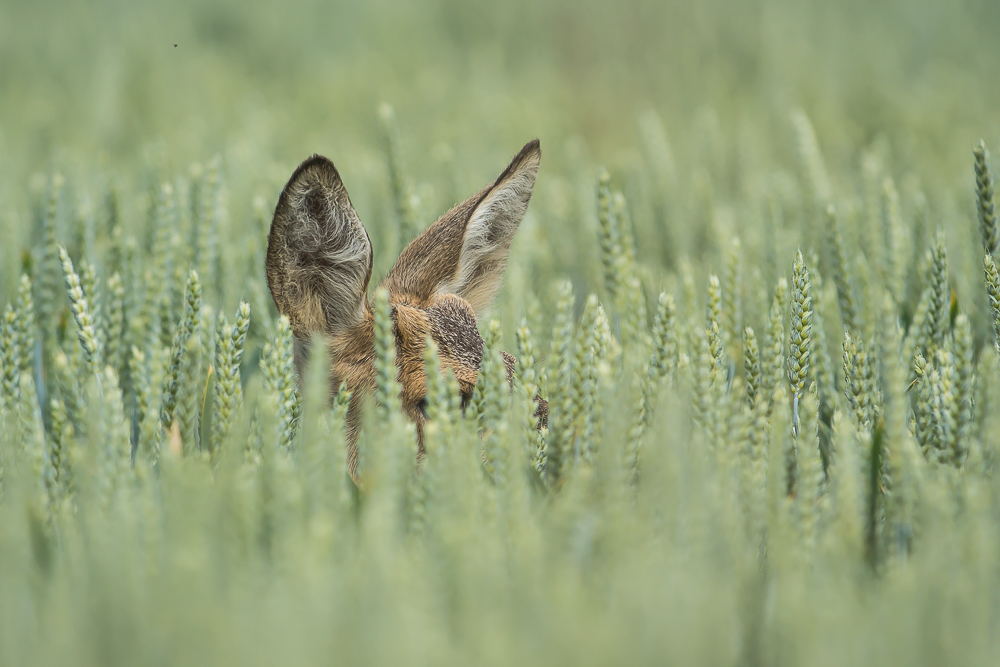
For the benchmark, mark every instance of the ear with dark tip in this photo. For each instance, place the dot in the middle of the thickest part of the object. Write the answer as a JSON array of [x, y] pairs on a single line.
[[319, 257], [491, 230], [465, 251]]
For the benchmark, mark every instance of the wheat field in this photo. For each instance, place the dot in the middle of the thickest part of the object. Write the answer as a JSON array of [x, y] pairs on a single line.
[[755, 283]]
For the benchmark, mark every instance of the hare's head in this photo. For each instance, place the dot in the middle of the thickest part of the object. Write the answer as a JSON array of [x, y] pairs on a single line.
[[319, 264]]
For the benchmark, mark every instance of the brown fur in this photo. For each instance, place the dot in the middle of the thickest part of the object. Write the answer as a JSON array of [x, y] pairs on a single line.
[[319, 264]]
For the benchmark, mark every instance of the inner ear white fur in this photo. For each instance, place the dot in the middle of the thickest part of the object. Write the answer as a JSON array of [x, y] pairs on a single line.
[[323, 250], [336, 248], [488, 236]]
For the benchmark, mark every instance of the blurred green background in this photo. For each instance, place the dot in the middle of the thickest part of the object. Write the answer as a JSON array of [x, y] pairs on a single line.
[[93, 78], [689, 106]]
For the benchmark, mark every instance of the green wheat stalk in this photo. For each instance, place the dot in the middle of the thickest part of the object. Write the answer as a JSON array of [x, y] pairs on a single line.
[[663, 355], [893, 235], [49, 270], [61, 439], [859, 382], [993, 292], [490, 391], [178, 348], [612, 254], [194, 375], [114, 323], [10, 358], [386, 385], [623, 220], [922, 404], [943, 405], [936, 325], [82, 312], [822, 364], [732, 304], [403, 195], [67, 387], [963, 354], [561, 401], [988, 226], [490, 398], [841, 274], [810, 481], [812, 158], [26, 325], [800, 337], [713, 306], [588, 354], [230, 341], [160, 279], [34, 447], [280, 380], [437, 401], [773, 357], [90, 283], [751, 368], [526, 357]]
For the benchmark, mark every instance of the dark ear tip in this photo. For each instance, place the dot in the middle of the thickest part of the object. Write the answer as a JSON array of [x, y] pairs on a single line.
[[315, 170], [532, 152], [316, 158], [316, 161]]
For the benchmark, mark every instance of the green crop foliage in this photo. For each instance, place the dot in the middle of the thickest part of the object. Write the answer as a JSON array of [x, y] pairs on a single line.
[[751, 367], [387, 386], [114, 323], [936, 322], [993, 292], [179, 352], [230, 341], [773, 358], [277, 366], [25, 320], [84, 313], [756, 287], [988, 226], [800, 337], [841, 273], [405, 199]]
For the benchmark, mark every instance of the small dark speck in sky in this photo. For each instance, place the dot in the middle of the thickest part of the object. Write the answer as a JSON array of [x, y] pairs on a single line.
[[175, 46]]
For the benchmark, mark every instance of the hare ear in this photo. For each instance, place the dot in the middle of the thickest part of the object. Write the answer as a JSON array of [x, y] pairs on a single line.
[[465, 251], [319, 257]]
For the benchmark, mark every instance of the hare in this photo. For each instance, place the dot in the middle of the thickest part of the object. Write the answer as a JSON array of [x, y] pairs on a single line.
[[319, 264]]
